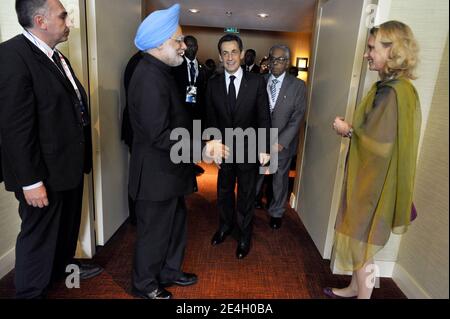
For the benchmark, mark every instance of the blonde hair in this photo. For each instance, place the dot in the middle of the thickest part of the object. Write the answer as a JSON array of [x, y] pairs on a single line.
[[403, 57]]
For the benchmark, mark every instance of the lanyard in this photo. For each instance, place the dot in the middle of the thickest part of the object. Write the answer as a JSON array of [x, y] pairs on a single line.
[[69, 74]]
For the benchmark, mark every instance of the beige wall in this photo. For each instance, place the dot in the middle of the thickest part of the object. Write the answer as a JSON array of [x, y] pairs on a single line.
[[424, 250], [423, 263], [260, 41]]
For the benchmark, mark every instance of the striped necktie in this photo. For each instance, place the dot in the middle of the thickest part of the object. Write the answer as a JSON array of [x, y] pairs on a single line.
[[273, 93]]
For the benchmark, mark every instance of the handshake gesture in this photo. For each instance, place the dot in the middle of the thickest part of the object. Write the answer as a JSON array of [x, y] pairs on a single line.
[[216, 151]]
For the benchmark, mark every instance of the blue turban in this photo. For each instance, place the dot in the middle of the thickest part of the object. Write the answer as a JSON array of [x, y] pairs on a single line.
[[157, 28]]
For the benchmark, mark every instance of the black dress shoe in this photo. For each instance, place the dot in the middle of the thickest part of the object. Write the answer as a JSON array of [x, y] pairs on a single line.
[[242, 250], [275, 222], [186, 279], [219, 237], [158, 293], [89, 270]]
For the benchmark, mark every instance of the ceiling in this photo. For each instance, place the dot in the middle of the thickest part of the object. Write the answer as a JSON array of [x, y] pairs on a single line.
[[284, 15]]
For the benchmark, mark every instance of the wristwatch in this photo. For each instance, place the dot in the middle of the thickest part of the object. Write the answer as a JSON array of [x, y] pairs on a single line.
[[349, 134]]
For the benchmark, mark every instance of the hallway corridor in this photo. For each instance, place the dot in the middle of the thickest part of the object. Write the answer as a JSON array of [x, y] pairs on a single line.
[[282, 264]]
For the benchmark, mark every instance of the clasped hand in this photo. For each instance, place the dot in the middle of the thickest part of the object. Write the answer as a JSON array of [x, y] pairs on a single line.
[[341, 126], [217, 151], [36, 197]]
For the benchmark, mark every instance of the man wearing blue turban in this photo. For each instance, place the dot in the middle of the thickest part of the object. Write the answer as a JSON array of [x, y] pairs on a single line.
[[156, 183]]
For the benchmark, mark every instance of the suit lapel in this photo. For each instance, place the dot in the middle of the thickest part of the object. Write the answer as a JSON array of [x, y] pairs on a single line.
[[42, 58], [223, 88], [242, 90]]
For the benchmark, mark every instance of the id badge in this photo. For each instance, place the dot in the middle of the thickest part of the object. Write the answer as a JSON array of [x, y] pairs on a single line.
[[191, 94]]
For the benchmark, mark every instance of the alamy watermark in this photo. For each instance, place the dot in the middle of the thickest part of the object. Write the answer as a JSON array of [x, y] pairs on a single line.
[[373, 277], [73, 279], [244, 145]]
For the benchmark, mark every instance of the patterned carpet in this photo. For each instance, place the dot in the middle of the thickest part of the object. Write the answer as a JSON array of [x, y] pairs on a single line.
[[282, 264]]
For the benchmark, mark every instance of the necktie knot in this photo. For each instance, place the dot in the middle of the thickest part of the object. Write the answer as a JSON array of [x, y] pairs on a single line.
[[274, 82], [232, 78]]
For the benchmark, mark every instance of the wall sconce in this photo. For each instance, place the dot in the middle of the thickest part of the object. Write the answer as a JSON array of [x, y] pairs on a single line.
[[302, 64]]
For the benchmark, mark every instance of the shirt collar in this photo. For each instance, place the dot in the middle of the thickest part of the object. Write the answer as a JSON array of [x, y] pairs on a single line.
[[280, 78], [189, 61], [238, 74], [39, 43]]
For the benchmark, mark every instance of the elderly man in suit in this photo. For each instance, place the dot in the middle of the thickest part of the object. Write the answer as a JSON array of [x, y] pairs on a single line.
[[287, 98], [46, 145], [157, 183], [237, 99]]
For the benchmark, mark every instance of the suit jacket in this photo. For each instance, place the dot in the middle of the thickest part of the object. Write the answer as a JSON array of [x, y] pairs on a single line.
[[196, 110], [252, 109], [127, 131], [40, 122], [155, 110], [288, 113], [255, 68]]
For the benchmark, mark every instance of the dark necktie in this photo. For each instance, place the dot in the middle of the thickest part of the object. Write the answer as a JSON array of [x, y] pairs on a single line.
[[192, 72], [57, 60], [232, 94]]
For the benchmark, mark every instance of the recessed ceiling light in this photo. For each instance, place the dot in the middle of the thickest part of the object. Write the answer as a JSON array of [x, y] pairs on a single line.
[[263, 15], [194, 10]]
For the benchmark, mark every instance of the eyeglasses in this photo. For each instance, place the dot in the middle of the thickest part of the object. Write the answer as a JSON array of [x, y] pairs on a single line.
[[278, 60], [179, 39]]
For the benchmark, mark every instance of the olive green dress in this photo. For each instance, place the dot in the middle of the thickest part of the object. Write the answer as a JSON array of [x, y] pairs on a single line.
[[380, 172]]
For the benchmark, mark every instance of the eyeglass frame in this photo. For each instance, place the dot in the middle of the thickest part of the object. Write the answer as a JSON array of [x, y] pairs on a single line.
[[281, 59], [179, 39]]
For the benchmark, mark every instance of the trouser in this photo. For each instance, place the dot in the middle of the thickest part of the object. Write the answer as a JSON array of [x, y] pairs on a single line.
[[47, 240], [160, 242], [246, 194], [280, 187]]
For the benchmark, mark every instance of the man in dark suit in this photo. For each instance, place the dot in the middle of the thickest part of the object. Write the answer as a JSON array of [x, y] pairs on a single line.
[[191, 82], [46, 145], [287, 98], [249, 62], [157, 183], [237, 99], [127, 131]]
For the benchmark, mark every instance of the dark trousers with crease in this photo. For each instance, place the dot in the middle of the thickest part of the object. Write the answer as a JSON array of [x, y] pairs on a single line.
[[160, 242], [229, 174], [280, 188], [47, 240]]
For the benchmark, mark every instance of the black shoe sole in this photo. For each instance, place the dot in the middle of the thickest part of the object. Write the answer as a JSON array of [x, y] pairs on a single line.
[[98, 272], [182, 284]]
